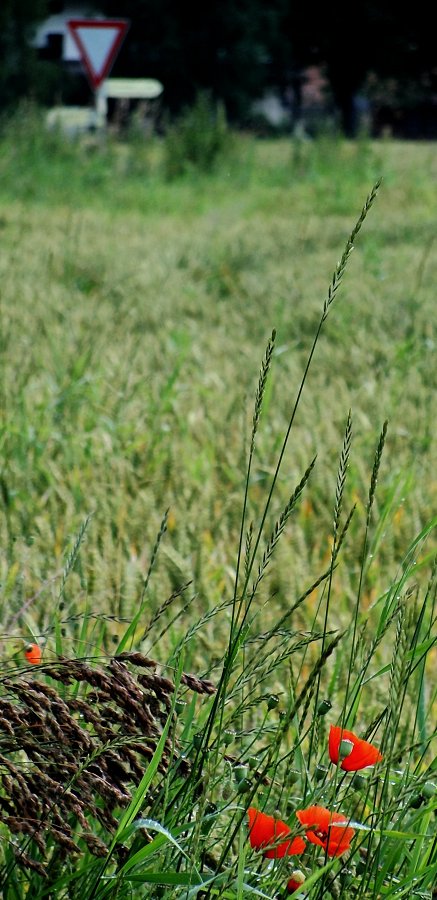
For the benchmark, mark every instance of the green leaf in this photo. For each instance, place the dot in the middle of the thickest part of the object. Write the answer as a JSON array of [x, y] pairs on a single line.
[[153, 846]]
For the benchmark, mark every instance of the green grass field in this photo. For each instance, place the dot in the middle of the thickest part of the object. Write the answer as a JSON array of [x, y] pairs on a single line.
[[135, 316]]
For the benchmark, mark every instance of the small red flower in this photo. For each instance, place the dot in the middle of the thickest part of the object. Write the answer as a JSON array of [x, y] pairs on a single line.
[[362, 753], [295, 882], [265, 830], [323, 828], [33, 654]]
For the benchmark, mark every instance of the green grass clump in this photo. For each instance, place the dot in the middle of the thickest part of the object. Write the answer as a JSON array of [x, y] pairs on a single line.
[[197, 140], [157, 523]]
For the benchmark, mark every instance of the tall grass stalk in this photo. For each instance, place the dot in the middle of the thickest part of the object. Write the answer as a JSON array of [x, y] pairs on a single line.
[[237, 632]]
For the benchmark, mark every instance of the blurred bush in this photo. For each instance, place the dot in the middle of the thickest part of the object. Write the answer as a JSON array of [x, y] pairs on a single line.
[[197, 139]]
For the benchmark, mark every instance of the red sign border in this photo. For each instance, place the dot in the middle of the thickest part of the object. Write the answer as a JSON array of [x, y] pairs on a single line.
[[95, 78]]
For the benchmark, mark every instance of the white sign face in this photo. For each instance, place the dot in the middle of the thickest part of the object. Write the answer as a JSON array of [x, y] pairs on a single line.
[[133, 88], [98, 41]]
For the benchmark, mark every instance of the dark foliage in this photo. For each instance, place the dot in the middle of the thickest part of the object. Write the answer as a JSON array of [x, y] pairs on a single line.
[[238, 48], [21, 73]]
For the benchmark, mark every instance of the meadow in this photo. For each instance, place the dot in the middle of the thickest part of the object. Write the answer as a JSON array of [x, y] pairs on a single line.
[[218, 455]]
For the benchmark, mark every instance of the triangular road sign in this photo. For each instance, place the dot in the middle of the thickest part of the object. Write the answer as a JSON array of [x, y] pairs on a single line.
[[98, 42]]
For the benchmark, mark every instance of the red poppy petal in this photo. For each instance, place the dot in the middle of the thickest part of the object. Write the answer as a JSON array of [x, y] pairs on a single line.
[[324, 829], [337, 819], [363, 755], [265, 830], [333, 846], [336, 736], [334, 743], [333, 849], [313, 839], [316, 816], [341, 835], [287, 848], [336, 847]]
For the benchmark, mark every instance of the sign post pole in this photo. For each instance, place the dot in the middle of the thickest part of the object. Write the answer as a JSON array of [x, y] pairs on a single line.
[[101, 103]]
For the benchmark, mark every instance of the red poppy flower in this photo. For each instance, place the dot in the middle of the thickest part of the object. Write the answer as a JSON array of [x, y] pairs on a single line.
[[295, 882], [33, 654], [323, 828], [264, 831], [362, 753]]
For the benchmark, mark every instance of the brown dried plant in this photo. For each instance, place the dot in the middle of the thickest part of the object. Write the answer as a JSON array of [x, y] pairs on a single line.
[[73, 754]]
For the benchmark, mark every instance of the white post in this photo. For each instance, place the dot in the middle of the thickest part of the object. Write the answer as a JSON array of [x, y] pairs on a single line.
[[101, 105]]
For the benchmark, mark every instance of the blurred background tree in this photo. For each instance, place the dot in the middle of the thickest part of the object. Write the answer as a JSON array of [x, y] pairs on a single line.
[[383, 40], [21, 72], [227, 49], [238, 49]]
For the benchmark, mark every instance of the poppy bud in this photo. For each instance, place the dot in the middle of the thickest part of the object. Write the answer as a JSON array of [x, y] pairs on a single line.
[[295, 882], [272, 701], [227, 791], [208, 819], [293, 776], [347, 878], [359, 782], [240, 772], [33, 654], [197, 740], [345, 748], [244, 785], [429, 789]]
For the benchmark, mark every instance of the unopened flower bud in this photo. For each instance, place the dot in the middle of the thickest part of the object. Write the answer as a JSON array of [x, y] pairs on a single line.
[[240, 772], [208, 819], [296, 881], [272, 701], [429, 789], [345, 748], [293, 776], [347, 878], [227, 790], [197, 740], [244, 785], [359, 781]]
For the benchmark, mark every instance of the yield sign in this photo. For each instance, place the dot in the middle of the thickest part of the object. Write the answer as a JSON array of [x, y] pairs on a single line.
[[98, 42]]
